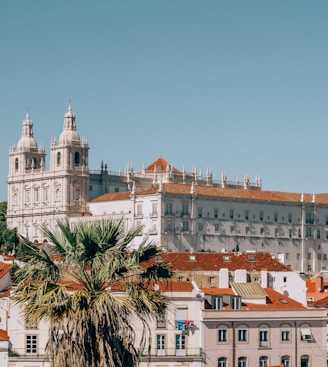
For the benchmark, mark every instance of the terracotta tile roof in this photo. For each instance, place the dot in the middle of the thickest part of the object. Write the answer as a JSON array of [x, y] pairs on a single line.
[[274, 300], [323, 302], [161, 165], [5, 293], [219, 192], [214, 261], [112, 196], [4, 268], [241, 194], [3, 335]]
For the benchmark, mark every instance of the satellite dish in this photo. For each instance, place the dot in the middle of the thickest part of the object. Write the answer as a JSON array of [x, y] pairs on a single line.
[[156, 287]]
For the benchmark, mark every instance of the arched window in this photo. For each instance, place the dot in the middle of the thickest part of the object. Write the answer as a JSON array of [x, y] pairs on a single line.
[[77, 159], [285, 361], [264, 361], [285, 332], [16, 164], [222, 333], [58, 159], [222, 362], [264, 335], [242, 362], [305, 361], [242, 333]]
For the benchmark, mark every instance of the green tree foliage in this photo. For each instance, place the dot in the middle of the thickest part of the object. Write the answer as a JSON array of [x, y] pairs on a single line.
[[91, 291], [8, 237]]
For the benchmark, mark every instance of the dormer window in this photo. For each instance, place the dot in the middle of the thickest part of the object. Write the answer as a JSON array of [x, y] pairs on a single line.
[[235, 303], [217, 302]]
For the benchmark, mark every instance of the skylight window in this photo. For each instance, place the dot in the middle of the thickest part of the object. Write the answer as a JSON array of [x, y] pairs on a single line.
[[192, 257], [282, 300], [251, 257]]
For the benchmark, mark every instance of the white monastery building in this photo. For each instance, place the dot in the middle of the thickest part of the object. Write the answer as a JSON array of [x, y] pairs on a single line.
[[181, 211]]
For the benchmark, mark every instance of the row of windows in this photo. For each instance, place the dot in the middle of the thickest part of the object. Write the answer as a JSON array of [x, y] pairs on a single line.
[[264, 361], [264, 334], [309, 215]]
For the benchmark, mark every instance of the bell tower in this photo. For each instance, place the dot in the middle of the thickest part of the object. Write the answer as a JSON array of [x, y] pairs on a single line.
[[69, 165]]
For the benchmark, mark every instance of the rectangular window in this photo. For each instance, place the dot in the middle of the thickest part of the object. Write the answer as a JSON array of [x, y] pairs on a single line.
[[161, 321], [319, 256], [217, 303], [46, 194], [222, 335], [308, 218], [199, 212], [261, 230], [169, 225], [185, 209], [289, 217], [309, 255], [216, 227], [200, 227], [139, 209], [160, 344], [216, 213], [235, 303], [242, 335], [36, 195], [31, 344], [246, 214], [180, 344], [318, 234], [325, 257], [275, 216], [308, 233], [264, 338], [168, 209], [154, 208], [261, 215], [285, 336], [185, 226], [231, 214], [298, 256], [247, 230]]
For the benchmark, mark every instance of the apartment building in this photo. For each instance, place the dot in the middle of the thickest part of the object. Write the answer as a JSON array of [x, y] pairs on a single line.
[[248, 325]]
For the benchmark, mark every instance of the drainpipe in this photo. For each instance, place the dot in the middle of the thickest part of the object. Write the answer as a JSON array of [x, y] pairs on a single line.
[[233, 345], [295, 336]]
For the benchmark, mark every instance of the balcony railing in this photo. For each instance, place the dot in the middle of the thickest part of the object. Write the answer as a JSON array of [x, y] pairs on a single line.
[[184, 353]]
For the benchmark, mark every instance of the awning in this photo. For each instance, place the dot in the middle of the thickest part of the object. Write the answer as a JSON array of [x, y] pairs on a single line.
[[306, 334]]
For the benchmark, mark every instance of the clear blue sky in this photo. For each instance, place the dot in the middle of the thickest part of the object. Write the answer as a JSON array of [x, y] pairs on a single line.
[[235, 86]]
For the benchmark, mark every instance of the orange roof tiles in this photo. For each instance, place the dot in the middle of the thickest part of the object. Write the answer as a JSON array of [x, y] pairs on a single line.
[[214, 261], [219, 192], [161, 165], [113, 196], [323, 302], [3, 335], [274, 300], [4, 268]]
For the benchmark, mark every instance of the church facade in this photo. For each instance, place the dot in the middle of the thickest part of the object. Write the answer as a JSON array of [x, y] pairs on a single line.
[[182, 211]]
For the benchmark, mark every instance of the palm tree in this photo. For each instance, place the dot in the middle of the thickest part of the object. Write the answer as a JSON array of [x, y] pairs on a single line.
[[89, 289]]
